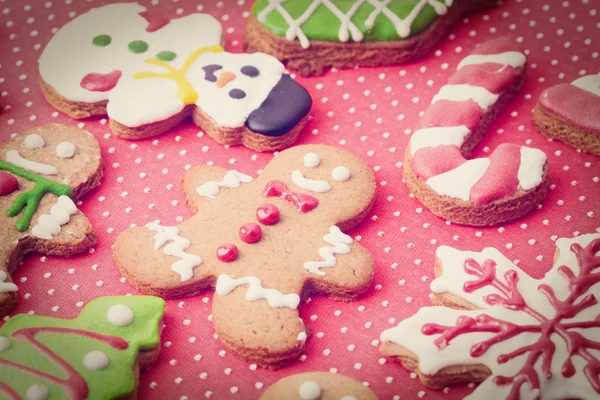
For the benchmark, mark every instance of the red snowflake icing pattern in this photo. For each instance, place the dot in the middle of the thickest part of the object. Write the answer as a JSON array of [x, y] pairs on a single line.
[[540, 354]]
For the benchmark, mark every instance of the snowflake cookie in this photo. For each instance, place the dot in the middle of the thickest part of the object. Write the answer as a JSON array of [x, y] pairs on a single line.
[[521, 337]]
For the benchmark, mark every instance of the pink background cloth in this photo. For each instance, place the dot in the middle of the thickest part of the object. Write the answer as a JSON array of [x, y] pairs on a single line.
[[370, 111]]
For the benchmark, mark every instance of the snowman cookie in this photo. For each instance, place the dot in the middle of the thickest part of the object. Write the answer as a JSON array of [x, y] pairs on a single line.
[[264, 244], [148, 74], [43, 172]]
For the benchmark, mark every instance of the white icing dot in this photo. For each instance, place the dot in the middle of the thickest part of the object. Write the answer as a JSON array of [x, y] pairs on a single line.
[[120, 315], [4, 344], [340, 174], [302, 337], [65, 150], [34, 141], [310, 390], [96, 360], [37, 392], [312, 160]]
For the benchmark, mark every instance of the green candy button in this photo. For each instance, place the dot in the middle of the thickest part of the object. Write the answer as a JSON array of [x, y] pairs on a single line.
[[166, 56], [102, 40], [138, 46]]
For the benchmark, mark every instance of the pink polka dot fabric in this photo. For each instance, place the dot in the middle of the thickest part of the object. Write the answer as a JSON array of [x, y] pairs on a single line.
[[371, 112]]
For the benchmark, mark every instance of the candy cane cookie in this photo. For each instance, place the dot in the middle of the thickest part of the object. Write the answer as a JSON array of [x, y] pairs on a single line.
[[483, 191], [311, 36]]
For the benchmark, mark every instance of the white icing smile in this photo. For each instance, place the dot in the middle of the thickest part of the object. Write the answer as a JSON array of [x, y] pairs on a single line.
[[313, 185], [15, 158]]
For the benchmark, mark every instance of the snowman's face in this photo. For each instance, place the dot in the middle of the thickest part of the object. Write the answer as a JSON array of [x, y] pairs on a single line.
[[87, 57]]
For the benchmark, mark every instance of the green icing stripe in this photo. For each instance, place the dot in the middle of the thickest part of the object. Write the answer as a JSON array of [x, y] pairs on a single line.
[[117, 380], [30, 200], [325, 25]]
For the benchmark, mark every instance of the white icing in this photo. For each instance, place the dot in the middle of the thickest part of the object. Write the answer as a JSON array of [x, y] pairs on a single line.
[[589, 83], [457, 183], [232, 179], [226, 284], [49, 225], [347, 27], [340, 174], [437, 136], [96, 361], [65, 150], [301, 337], [309, 390], [531, 169], [513, 58], [314, 185], [13, 157], [463, 92], [34, 141], [70, 54], [339, 241], [408, 333], [120, 315], [6, 287], [311, 160], [37, 392], [5, 344], [185, 266]]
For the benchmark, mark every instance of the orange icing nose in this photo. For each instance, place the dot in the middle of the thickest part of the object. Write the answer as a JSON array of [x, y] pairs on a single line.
[[224, 79]]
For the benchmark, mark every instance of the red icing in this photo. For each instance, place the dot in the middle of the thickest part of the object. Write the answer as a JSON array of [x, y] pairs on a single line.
[[227, 252], [250, 232], [267, 214], [501, 178], [74, 385], [495, 78], [8, 183], [303, 202], [9, 392], [499, 45], [95, 82], [510, 297], [431, 161], [452, 113], [155, 21], [574, 105]]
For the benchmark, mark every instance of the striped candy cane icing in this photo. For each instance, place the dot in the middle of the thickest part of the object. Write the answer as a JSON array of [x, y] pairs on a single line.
[[438, 156]]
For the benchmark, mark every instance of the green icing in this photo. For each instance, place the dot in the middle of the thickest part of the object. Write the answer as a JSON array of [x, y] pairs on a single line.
[[166, 56], [118, 380], [138, 46], [325, 25], [30, 200], [102, 40]]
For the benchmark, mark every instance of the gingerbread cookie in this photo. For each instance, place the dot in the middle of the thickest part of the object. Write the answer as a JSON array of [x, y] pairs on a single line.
[[571, 113], [43, 172], [264, 244], [98, 355], [151, 76], [523, 338], [483, 191], [311, 36], [318, 386]]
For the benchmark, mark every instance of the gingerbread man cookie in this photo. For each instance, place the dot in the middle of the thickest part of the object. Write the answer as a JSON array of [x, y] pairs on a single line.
[[571, 113], [523, 338], [482, 191], [148, 74], [318, 386], [98, 355], [264, 244], [42, 173], [314, 35]]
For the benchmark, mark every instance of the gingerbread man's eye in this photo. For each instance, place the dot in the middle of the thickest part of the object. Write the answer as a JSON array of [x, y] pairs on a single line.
[[34, 141], [237, 94], [210, 70], [340, 174], [312, 160], [65, 150], [250, 71]]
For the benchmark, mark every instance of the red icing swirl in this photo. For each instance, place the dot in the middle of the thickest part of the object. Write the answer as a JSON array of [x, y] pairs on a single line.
[[303, 202]]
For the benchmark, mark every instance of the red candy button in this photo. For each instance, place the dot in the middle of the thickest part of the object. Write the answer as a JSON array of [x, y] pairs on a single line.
[[227, 252], [8, 183], [267, 214], [250, 232]]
